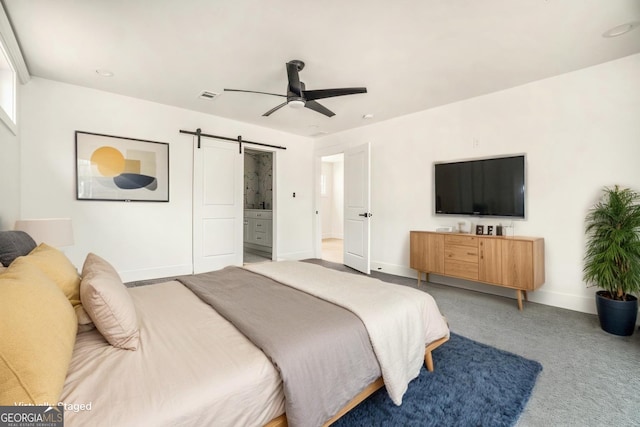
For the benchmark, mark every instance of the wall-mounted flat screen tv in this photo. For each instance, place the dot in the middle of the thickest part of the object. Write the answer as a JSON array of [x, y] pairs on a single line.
[[483, 187]]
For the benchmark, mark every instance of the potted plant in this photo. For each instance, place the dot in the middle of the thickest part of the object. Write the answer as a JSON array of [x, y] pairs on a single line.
[[612, 260]]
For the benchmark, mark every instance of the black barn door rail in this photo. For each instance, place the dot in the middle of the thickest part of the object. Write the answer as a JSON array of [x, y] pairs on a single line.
[[239, 139]]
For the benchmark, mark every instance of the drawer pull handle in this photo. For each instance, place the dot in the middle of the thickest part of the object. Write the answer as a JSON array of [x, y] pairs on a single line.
[[470, 253]]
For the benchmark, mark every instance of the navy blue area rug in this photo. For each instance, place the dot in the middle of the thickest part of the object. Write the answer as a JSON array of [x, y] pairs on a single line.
[[473, 385]]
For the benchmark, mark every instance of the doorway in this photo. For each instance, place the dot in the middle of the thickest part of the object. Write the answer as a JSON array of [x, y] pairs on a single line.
[[354, 185], [258, 206], [332, 207]]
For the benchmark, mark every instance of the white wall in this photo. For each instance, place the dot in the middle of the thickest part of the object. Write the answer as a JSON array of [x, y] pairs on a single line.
[[337, 205], [332, 203], [326, 201], [142, 240], [580, 132]]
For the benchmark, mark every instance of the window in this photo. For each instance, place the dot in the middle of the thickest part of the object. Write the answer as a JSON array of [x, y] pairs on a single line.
[[7, 90]]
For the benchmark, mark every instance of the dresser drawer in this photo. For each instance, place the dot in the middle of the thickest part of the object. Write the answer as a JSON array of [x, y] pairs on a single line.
[[258, 213], [464, 270], [262, 224], [260, 238], [461, 240], [461, 253]]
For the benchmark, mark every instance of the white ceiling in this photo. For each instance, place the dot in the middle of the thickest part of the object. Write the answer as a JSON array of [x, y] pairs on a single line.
[[410, 54]]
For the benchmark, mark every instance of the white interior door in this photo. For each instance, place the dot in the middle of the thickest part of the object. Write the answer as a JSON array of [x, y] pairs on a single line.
[[217, 206], [357, 207]]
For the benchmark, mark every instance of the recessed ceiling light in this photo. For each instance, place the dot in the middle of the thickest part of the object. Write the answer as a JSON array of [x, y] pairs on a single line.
[[104, 73], [367, 116], [621, 29]]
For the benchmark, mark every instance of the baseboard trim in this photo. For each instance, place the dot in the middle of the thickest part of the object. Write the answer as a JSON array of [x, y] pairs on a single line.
[[579, 303]]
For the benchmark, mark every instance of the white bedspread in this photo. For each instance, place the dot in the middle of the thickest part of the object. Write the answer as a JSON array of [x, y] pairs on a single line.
[[192, 368], [400, 320]]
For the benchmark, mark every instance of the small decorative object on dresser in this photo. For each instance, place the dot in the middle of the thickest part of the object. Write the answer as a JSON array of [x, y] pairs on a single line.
[[479, 230], [489, 230]]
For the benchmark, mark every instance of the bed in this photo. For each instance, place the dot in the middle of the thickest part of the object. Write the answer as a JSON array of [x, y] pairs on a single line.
[[173, 359]]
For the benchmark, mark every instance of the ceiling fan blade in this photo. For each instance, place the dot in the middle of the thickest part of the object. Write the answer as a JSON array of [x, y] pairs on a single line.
[[274, 109], [310, 95], [316, 106], [253, 91], [294, 77]]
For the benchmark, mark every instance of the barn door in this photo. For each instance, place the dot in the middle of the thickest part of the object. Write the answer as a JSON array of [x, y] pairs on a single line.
[[217, 206]]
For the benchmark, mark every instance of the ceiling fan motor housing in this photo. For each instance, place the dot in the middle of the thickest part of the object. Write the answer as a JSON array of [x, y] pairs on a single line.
[[299, 64]]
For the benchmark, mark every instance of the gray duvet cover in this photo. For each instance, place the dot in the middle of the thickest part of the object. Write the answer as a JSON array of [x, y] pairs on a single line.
[[322, 351]]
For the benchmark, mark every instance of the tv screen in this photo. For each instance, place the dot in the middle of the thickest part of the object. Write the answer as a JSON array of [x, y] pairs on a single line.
[[485, 187]]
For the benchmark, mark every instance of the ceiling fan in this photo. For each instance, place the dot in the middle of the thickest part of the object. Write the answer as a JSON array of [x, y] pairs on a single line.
[[298, 96]]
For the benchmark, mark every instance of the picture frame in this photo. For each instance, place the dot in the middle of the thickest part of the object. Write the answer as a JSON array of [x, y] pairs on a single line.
[[489, 230], [116, 168], [479, 230]]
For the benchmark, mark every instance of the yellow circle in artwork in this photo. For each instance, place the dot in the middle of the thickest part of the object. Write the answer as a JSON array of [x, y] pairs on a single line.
[[110, 162]]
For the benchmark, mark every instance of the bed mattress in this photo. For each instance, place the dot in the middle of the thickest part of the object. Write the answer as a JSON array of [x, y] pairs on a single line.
[[222, 380]]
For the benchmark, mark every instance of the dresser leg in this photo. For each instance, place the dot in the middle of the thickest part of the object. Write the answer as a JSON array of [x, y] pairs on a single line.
[[519, 293], [419, 277]]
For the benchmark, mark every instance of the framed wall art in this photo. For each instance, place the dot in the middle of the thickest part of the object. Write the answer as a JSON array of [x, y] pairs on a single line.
[[121, 169]]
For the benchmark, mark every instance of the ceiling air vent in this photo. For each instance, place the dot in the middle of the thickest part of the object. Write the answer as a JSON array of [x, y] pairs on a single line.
[[208, 95]]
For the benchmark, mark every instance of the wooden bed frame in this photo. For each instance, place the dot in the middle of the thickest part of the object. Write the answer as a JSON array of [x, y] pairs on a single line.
[[281, 421]]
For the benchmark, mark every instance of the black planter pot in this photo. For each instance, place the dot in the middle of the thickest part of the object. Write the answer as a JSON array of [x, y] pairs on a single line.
[[617, 317]]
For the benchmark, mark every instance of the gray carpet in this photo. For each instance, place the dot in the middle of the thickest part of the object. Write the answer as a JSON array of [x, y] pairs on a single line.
[[590, 378]]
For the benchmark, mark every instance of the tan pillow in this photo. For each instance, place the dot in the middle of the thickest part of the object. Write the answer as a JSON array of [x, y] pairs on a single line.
[[38, 330], [57, 266], [108, 303]]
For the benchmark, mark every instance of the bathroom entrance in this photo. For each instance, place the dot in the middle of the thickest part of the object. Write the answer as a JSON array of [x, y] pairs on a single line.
[[258, 206]]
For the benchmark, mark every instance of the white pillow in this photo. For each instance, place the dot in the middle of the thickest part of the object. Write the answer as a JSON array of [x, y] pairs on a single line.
[[108, 303]]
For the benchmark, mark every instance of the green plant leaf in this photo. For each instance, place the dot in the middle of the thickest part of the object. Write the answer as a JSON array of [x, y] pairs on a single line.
[[612, 258]]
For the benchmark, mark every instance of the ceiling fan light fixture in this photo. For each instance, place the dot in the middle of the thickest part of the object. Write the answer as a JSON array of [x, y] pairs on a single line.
[[296, 103]]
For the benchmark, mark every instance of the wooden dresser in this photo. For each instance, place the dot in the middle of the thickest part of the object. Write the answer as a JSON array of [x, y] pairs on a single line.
[[510, 262]]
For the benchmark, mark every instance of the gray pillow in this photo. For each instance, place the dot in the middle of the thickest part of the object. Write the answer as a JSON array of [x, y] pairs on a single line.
[[14, 244]]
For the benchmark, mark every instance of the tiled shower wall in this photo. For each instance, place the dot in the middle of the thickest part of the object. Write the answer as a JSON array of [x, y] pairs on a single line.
[[258, 181]]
